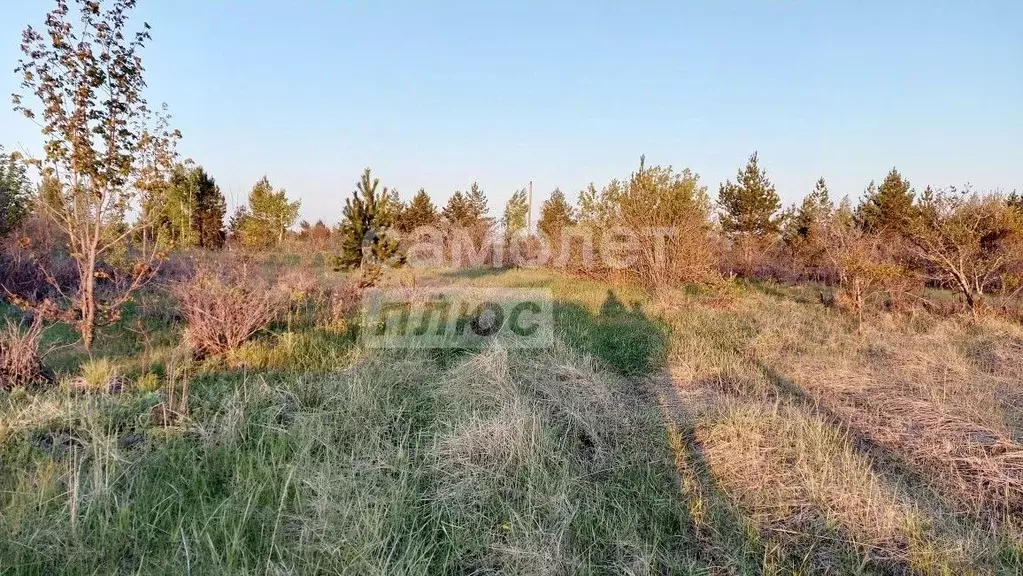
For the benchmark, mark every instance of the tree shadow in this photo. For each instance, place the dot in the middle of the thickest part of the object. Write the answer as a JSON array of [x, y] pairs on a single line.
[[622, 336], [474, 273], [889, 465]]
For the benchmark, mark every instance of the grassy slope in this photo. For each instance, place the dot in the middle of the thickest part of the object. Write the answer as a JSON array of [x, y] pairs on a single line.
[[742, 431]]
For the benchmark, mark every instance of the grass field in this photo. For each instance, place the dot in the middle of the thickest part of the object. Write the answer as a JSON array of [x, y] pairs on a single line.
[[744, 429]]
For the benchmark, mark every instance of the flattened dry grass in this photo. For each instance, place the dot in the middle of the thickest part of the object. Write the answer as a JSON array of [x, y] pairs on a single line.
[[895, 450]]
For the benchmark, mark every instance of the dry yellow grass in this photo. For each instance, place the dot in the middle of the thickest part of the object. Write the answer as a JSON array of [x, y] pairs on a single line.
[[898, 446]]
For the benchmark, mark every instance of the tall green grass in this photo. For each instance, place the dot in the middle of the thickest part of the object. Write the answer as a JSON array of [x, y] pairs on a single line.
[[505, 461]]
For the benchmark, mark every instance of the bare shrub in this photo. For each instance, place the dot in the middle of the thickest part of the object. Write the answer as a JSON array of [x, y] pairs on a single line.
[[335, 306], [226, 309], [19, 355], [968, 242], [867, 266]]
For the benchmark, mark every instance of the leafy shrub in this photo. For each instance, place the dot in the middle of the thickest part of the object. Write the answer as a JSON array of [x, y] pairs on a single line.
[[19, 355], [224, 310]]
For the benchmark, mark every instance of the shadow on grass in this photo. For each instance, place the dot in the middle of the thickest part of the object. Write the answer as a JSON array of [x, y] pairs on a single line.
[[895, 469], [474, 273], [623, 337]]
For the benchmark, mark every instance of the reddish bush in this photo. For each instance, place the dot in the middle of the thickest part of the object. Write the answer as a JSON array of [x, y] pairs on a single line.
[[19, 355], [225, 309]]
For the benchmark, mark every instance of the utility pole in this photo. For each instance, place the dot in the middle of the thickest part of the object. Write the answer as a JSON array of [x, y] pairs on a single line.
[[529, 213]]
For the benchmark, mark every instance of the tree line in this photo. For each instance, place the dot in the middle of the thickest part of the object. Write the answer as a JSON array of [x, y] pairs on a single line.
[[112, 198]]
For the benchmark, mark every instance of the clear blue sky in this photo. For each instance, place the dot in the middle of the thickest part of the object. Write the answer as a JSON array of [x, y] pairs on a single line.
[[438, 94]]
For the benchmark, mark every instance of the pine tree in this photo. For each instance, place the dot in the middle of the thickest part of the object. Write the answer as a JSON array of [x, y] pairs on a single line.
[[1015, 201], [210, 209], [555, 214], [236, 224], [515, 213], [844, 217], [320, 232], [750, 205], [478, 204], [15, 192], [887, 208], [420, 212], [458, 211], [364, 225], [807, 219]]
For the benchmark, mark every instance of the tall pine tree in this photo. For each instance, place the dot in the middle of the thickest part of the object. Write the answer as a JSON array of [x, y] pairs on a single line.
[[419, 212], [367, 216], [808, 218], [15, 192], [458, 212], [887, 208], [749, 205], [210, 209]]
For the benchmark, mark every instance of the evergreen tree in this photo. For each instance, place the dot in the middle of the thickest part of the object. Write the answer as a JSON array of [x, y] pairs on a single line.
[[478, 204], [555, 214], [190, 210], [749, 205], [887, 208], [236, 223], [270, 214], [320, 232], [1015, 201], [458, 211], [419, 212], [844, 217], [515, 213], [210, 209], [364, 225], [15, 192], [807, 219]]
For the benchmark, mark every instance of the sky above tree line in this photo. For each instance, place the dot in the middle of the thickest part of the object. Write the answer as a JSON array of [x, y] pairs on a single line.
[[441, 94]]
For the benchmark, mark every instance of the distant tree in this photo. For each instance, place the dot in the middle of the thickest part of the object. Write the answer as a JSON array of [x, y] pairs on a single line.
[[670, 212], [237, 222], [210, 209], [887, 208], [1015, 201], [318, 233], [866, 265], [190, 210], [555, 214], [600, 208], [269, 216], [844, 215], [966, 241], [803, 228], [105, 149], [815, 209], [749, 205], [419, 212], [516, 212], [458, 211], [15, 192], [480, 208], [366, 220]]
